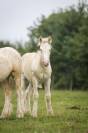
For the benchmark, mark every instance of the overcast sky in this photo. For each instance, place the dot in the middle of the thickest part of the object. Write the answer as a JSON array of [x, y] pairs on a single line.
[[17, 15]]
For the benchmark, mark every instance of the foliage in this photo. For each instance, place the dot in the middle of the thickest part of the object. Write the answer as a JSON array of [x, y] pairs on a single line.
[[5, 44], [69, 58]]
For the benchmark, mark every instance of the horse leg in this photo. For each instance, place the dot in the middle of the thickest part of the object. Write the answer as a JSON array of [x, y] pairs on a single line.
[[48, 96], [28, 94], [20, 96], [23, 87], [7, 110], [35, 97]]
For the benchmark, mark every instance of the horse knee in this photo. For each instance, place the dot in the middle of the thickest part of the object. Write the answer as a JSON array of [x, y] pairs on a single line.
[[48, 97]]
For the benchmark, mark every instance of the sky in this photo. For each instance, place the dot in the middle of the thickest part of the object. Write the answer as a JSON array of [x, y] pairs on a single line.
[[17, 15]]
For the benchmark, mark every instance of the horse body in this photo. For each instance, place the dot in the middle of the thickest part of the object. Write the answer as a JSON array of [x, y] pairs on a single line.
[[10, 64], [36, 69], [31, 66]]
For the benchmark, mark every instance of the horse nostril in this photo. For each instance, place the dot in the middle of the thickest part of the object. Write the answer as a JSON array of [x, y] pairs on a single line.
[[46, 64]]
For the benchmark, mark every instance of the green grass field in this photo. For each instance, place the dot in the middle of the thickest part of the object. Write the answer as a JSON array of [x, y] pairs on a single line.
[[70, 115]]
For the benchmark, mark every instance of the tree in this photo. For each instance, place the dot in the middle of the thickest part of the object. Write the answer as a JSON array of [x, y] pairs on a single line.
[[69, 58]]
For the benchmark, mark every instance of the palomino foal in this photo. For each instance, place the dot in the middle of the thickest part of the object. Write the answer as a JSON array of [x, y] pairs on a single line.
[[36, 69], [10, 64]]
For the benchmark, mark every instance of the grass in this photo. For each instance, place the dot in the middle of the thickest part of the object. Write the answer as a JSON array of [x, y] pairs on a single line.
[[70, 115]]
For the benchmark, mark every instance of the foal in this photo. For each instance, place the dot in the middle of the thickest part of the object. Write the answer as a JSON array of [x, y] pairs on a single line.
[[36, 69]]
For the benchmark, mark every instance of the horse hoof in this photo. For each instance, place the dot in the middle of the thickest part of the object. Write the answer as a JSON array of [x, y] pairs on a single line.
[[5, 115], [34, 115], [20, 114]]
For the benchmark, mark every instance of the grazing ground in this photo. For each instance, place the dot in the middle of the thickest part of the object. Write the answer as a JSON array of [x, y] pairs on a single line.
[[70, 115]]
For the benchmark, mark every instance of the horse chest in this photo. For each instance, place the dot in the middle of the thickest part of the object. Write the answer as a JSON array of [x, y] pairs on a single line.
[[42, 74]]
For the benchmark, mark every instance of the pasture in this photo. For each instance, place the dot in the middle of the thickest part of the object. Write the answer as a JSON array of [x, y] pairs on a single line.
[[70, 115]]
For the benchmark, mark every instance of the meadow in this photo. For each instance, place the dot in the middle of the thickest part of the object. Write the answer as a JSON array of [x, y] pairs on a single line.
[[70, 115]]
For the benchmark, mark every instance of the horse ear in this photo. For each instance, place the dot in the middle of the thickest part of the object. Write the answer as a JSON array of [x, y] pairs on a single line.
[[39, 40], [50, 39]]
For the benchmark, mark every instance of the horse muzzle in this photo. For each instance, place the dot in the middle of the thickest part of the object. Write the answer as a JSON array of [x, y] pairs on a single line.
[[46, 64]]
